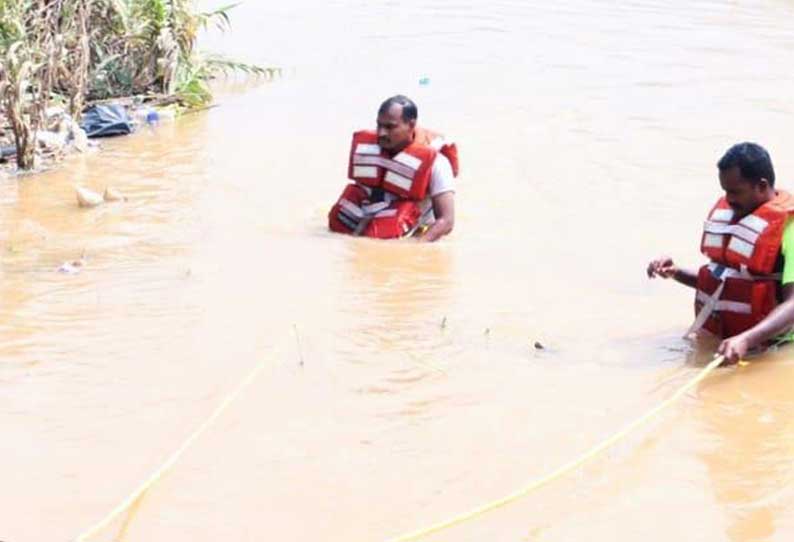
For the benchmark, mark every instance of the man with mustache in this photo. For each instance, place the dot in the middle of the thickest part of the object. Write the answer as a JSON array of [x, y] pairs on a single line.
[[745, 294], [402, 179]]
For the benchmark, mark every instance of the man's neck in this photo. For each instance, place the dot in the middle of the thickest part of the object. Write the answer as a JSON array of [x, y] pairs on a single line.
[[767, 200], [395, 152]]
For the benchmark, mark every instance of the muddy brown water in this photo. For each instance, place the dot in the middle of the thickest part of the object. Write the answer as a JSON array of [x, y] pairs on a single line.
[[588, 134]]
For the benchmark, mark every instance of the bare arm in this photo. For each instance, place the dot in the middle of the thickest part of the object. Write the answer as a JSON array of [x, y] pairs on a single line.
[[779, 320], [665, 268], [444, 211]]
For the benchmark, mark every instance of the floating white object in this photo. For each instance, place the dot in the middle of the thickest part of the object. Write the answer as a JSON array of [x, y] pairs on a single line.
[[87, 198], [113, 195], [71, 268], [80, 139]]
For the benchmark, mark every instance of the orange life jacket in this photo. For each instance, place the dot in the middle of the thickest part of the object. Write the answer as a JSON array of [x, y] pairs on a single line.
[[438, 142], [739, 287], [385, 200]]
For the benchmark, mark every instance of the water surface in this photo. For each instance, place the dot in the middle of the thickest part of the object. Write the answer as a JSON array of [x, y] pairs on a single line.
[[588, 134]]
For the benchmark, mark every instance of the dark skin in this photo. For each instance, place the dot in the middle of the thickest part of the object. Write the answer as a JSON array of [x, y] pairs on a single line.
[[744, 197], [396, 133]]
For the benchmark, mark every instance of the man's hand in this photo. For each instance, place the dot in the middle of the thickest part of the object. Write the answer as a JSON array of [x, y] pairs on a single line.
[[734, 349], [665, 268], [661, 267], [444, 211], [780, 320]]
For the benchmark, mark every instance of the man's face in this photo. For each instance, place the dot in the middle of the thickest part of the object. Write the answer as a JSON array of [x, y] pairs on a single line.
[[394, 133], [742, 195]]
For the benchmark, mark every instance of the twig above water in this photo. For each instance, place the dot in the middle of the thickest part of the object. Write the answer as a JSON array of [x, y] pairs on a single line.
[[298, 341]]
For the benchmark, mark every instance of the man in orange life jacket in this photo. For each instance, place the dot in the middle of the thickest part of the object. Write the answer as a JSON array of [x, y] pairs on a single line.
[[745, 295], [403, 179]]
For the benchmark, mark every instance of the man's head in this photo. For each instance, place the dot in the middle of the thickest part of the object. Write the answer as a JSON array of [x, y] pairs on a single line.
[[396, 123], [747, 177]]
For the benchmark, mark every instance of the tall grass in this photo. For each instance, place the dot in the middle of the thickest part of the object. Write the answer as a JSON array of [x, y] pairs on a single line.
[[71, 51]]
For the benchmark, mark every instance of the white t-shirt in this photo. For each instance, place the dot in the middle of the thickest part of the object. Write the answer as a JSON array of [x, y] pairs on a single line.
[[441, 180], [441, 177]]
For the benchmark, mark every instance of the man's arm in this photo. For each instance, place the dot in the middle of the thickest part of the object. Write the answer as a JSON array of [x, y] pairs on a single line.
[[781, 319], [444, 211], [665, 268]]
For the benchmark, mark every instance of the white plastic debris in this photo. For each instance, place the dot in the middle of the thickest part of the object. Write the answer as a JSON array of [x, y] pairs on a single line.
[[80, 139], [71, 268], [52, 141], [111, 194], [87, 198]]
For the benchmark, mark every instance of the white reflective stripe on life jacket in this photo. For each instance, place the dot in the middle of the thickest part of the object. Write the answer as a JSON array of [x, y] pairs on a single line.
[[713, 302], [713, 240], [737, 230], [351, 208], [374, 208], [398, 180], [722, 215], [725, 306], [400, 169], [744, 234], [741, 246], [723, 272], [365, 172], [755, 223], [367, 148], [708, 307], [386, 213], [378, 209], [406, 159], [392, 165]]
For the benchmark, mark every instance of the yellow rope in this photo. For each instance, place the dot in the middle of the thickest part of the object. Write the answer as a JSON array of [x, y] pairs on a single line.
[[171, 461], [133, 497], [565, 468]]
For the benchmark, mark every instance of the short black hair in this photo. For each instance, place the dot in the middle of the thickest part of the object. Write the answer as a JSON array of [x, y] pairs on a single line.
[[410, 111], [752, 160]]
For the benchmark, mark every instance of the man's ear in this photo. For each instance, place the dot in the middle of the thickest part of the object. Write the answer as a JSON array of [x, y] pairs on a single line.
[[763, 185], [412, 123]]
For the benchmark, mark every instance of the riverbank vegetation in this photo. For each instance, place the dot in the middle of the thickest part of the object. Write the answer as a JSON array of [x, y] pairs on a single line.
[[70, 53]]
